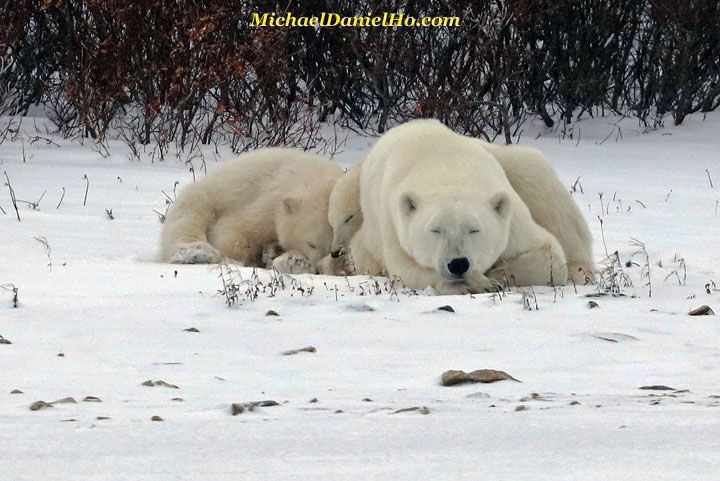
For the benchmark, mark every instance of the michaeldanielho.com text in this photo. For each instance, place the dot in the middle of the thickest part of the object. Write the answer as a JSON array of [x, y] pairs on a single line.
[[337, 20]]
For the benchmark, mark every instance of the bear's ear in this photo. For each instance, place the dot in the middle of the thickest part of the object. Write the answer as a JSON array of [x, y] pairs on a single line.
[[408, 204], [290, 205], [501, 204]]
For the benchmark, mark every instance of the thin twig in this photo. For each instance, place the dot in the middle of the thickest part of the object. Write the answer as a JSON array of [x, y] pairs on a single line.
[[602, 233], [61, 199], [87, 187], [12, 196]]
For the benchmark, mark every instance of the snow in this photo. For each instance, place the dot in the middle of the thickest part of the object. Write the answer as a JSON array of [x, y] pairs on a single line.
[[118, 319]]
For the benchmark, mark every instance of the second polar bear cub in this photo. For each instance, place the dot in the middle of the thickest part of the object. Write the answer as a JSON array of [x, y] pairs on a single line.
[[439, 211], [265, 198]]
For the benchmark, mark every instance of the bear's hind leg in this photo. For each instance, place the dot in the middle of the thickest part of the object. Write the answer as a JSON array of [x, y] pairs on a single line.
[[229, 236], [196, 253]]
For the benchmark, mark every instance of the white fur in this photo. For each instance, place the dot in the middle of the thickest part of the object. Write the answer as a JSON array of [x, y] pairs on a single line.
[[430, 196], [261, 198], [530, 175], [344, 214], [550, 204]]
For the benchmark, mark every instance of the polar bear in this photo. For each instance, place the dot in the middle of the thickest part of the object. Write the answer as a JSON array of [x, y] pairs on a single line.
[[345, 218], [530, 175], [550, 204], [344, 213], [264, 198], [439, 211]]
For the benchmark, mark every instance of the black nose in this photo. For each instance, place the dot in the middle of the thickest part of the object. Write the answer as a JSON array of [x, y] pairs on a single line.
[[459, 266], [335, 253]]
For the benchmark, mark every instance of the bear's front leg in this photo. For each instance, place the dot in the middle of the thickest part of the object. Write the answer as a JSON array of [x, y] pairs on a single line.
[[293, 262], [541, 266], [359, 261], [334, 266]]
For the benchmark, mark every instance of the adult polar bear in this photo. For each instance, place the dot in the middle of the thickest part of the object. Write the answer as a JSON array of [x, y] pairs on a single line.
[[263, 198], [530, 175], [439, 211]]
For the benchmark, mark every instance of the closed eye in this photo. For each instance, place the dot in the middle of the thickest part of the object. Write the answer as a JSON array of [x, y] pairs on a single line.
[[311, 245], [349, 218], [474, 231], [436, 230]]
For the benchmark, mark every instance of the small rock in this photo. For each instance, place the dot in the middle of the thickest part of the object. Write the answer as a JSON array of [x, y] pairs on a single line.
[[71, 420], [192, 329], [272, 313], [450, 378], [92, 399], [4, 341], [16, 391], [102, 418], [521, 407], [239, 408], [38, 405], [367, 400], [593, 304], [296, 351], [446, 308], [613, 336], [420, 409], [532, 397], [360, 308], [339, 411], [658, 387], [65, 400], [151, 383], [703, 310], [177, 399], [574, 403], [313, 400], [156, 418]]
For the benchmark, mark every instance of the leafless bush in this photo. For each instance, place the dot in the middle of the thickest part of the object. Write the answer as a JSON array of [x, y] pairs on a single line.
[[185, 73]]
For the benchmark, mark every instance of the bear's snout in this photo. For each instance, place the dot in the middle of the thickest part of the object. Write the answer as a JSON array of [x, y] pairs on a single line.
[[336, 252], [458, 266]]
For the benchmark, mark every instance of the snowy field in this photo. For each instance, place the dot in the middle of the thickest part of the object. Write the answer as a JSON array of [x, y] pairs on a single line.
[[96, 317]]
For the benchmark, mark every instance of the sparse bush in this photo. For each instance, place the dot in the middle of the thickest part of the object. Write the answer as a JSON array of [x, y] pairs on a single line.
[[190, 73]]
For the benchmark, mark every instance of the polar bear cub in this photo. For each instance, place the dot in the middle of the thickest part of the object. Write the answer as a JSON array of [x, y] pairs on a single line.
[[344, 213], [439, 211], [550, 204], [263, 198]]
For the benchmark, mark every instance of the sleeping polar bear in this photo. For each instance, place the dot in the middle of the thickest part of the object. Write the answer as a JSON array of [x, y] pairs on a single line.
[[439, 211]]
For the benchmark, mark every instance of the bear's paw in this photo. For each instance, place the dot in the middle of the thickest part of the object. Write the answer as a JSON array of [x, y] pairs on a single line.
[[196, 253]]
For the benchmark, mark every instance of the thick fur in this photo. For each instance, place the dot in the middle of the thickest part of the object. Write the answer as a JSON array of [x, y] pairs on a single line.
[[531, 176], [431, 197], [262, 198], [550, 204], [344, 213], [345, 217]]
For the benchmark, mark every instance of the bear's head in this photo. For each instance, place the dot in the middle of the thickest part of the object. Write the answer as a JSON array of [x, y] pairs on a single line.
[[301, 222], [344, 214], [454, 235]]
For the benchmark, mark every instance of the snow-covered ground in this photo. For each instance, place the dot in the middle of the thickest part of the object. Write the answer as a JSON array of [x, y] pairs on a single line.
[[97, 317]]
